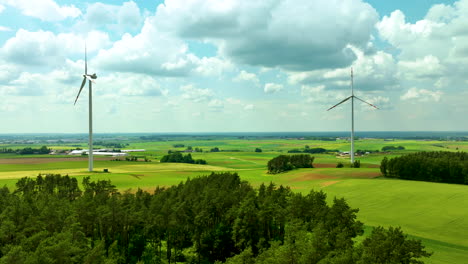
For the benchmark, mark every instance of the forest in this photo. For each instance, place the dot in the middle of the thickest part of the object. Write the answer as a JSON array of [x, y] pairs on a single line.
[[434, 166], [207, 219], [284, 163], [177, 157]]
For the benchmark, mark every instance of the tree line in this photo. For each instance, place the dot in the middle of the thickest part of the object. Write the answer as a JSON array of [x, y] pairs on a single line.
[[435, 166], [208, 219], [27, 150], [310, 150], [284, 163], [177, 157]]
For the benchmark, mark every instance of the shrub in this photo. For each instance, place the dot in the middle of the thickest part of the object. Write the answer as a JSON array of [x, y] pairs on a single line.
[[356, 164]]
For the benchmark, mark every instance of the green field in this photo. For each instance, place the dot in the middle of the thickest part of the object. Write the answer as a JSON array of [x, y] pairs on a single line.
[[429, 211]]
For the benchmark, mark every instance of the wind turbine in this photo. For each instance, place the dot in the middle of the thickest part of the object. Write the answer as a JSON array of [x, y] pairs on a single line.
[[90, 78], [352, 97]]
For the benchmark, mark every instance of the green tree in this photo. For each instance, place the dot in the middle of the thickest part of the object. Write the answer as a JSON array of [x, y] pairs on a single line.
[[391, 246]]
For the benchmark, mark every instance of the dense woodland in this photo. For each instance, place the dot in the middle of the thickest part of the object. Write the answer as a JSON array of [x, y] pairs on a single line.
[[27, 150], [208, 219], [177, 157], [284, 163], [436, 166]]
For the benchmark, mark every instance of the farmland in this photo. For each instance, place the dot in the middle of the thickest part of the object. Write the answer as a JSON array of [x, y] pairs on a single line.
[[432, 212]]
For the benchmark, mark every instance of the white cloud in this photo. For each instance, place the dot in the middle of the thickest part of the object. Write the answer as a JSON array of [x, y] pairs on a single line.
[[212, 66], [421, 95], [8, 73], [2, 28], [46, 10], [272, 87], [427, 67], [320, 95], [235, 25], [150, 52], [29, 84], [372, 72], [126, 16], [132, 85], [45, 47], [246, 76], [196, 95], [442, 33], [216, 105]]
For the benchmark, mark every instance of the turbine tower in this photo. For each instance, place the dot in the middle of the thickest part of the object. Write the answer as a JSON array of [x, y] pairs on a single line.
[[90, 78], [352, 97]]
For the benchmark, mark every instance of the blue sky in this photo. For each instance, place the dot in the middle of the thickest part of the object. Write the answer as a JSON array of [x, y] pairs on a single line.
[[229, 65]]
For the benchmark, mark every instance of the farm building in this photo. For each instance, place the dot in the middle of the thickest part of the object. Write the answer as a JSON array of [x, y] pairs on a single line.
[[98, 153]]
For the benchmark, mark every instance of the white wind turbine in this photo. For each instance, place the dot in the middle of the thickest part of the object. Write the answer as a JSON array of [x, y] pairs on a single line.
[[90, 78], [352, 113]]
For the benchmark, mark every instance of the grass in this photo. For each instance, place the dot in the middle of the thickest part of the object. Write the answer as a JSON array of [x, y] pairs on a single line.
[[432, 212]]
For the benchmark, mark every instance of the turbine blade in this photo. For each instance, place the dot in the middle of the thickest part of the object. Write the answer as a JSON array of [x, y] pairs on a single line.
[[81, 88], [90, 79], [85, 60], [339, 103], [366, 102]]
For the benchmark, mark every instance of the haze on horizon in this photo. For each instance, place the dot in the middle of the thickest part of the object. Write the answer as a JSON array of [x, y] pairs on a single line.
[[228, 65]]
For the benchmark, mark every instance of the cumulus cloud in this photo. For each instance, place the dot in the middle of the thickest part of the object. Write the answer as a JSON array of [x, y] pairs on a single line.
[[150, 52], [272, 87], [126, 16], [131, 85], [372, 72], [421, 95], [427, 67], [196, 95], [30, 84], [2, 28], [433, 52], [45, 47], [212, 66], [46, 10], [8, 73], [255, 32], [246, 76], [319, 94], [441, 33]]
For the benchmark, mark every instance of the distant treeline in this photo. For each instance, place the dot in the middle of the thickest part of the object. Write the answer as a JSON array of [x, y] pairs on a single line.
[[321, 138], [284, 163], [27, 151], [310, 150], [390, 148], [207, 219], [177, 157], [110, 144], [436, 166]]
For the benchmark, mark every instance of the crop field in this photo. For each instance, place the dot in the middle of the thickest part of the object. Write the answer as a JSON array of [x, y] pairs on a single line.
[[435, 213]]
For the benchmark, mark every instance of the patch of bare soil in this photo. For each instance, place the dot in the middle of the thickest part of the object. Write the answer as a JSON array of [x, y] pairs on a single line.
[[328, 183], [312, 176], [47, 160]]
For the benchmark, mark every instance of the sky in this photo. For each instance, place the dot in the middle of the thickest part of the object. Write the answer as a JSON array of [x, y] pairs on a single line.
[[233, 66]]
